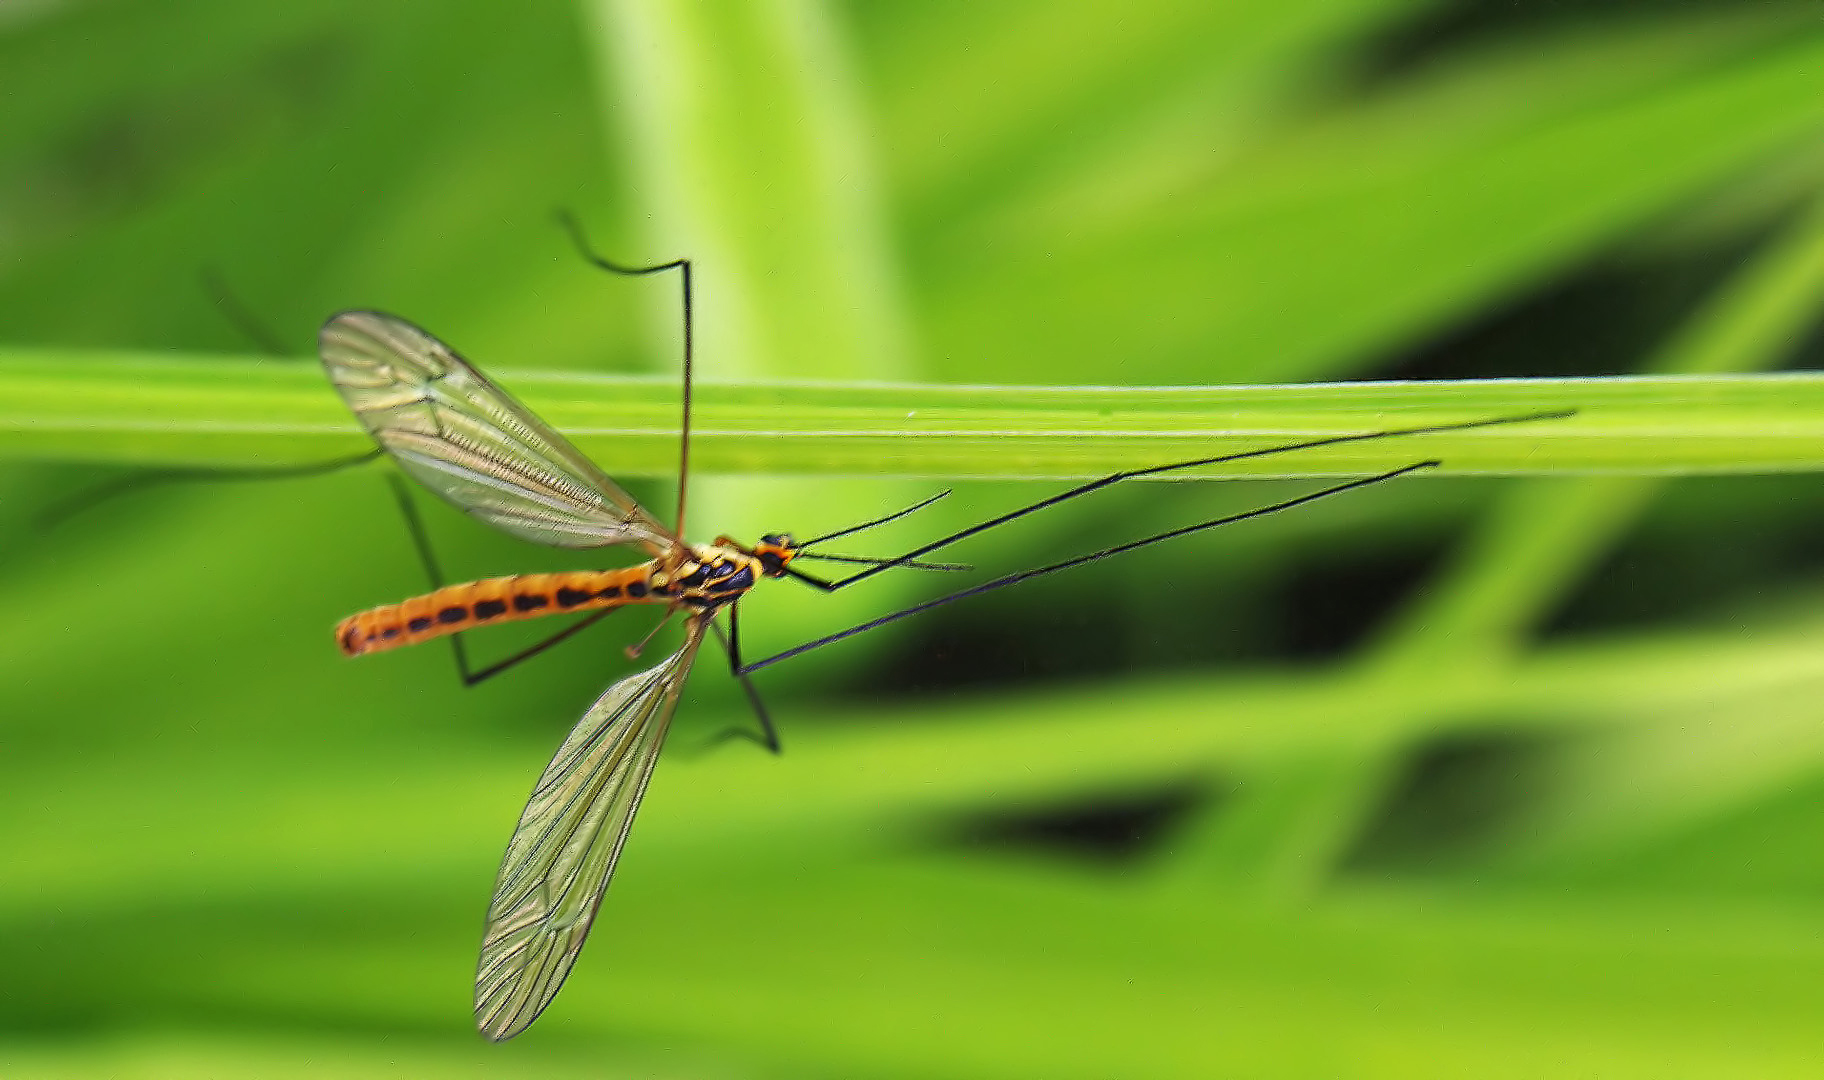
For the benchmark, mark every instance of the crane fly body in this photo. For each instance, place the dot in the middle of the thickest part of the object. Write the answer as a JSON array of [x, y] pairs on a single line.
[[456, 433], [701, 579]]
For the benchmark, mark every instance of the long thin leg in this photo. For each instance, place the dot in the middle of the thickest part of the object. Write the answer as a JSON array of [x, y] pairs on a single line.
[[1115, 478], [731, 644], [894, 516], [875, 560], [575, 230], [239, 315], [1023, 575], [63, 511], [530, 651], [254, 330], [421, 540]]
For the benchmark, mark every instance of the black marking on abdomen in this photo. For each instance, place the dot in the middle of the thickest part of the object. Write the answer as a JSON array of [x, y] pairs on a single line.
[[420, 623], [636, 588], [608, 593], [530, 602], [488, 609], [739, 582], [453, 614], [568, 597]]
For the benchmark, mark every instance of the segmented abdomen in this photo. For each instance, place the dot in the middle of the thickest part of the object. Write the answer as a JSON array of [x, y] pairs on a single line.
[[455, 608]]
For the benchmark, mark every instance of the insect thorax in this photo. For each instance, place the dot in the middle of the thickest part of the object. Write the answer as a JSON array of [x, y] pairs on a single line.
[[711, 574]]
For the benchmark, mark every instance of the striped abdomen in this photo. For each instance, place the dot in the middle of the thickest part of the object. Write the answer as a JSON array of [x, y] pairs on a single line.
[[492, 600]]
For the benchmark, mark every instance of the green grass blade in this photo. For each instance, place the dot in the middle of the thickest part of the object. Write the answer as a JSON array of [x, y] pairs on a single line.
[[135, 410]]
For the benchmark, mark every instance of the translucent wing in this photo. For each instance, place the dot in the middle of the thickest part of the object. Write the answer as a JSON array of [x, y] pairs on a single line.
[[466, 439], [562, 854]]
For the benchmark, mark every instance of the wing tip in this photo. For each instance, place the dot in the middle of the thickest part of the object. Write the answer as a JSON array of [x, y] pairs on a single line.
[[499, 1033], [503, 1011]]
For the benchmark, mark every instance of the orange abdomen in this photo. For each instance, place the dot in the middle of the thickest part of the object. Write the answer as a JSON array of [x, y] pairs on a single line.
[[455, 608]]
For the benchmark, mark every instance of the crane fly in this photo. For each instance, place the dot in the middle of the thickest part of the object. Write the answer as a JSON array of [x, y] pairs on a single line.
[[459, 435], [456, 433]]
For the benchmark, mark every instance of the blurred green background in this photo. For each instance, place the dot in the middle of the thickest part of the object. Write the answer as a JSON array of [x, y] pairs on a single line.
[[1448, 778]]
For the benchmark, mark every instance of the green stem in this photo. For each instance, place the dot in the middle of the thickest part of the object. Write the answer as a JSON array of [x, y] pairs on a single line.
[[131, 409]]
